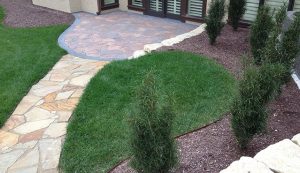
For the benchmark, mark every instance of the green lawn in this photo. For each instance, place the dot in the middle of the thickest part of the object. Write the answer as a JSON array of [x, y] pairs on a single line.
[[26, 55], [97, 136]]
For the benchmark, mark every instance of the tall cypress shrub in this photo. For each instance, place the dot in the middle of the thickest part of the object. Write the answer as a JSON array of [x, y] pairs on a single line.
[[152, 145], [290, 44], [283, 46], [214, 20], [1, 15], [260, 31], [236, 11], [248, 112], [258, 87], [272, 51]]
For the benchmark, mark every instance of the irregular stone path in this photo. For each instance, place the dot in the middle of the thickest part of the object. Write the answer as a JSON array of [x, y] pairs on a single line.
[[282, 157], [32, 138]]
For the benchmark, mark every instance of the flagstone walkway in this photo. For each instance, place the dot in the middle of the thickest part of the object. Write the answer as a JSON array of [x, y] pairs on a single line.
[[32, 138]]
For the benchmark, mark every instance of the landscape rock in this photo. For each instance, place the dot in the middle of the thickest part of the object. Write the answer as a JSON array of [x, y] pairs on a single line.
[[152, 47], [283, 157], [296, 139], [247, 165], [139, 53]]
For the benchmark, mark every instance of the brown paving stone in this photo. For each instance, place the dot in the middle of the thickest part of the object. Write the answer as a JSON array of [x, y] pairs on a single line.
[[50, 97], [33, 136], [14, 121], [7, 139], [64, 105]]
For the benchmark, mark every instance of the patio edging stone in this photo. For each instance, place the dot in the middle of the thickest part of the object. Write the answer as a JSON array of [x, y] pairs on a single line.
[[148, 48]]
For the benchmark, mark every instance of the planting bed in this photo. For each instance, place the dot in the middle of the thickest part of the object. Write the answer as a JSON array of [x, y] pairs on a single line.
[[213, 148]]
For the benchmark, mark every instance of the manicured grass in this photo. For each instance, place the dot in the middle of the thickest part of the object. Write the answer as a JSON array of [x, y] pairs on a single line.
[[26, 55], [98, 133]]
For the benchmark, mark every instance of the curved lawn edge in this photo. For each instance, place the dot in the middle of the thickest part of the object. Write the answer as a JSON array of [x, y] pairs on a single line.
[[26, 56], [92, 144]]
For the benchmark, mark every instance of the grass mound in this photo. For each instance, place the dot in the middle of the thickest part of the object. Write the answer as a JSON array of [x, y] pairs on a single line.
[[98, 133]]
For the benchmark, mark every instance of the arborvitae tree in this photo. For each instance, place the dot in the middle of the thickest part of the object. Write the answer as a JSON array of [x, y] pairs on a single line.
[[261, 84], [271, 52], [1, 15], [283, 46], [260, 31], [258, 87], [214, 20], [236, 11], [280, 15], [152, 145], [248, 112], [290, 44]]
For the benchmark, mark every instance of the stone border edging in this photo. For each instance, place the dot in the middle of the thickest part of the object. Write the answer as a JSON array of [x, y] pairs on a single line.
[[148, 48], [296, 79]]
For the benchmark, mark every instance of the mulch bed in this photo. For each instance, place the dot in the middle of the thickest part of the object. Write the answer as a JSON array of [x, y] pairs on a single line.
[[228, 50], [21, 13], [213, 148]]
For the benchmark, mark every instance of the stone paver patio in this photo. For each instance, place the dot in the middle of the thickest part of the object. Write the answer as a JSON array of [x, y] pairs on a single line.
[[117, 35]]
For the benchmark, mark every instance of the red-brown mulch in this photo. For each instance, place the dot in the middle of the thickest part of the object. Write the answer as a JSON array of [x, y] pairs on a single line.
[[228, 50], [213, 148], [21, 13]]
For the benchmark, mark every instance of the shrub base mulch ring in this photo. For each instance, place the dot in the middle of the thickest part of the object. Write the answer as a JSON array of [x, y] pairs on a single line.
[[21, 13], [214, 147]]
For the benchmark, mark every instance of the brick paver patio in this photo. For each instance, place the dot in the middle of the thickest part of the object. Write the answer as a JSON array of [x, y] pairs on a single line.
[[118, 34]]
